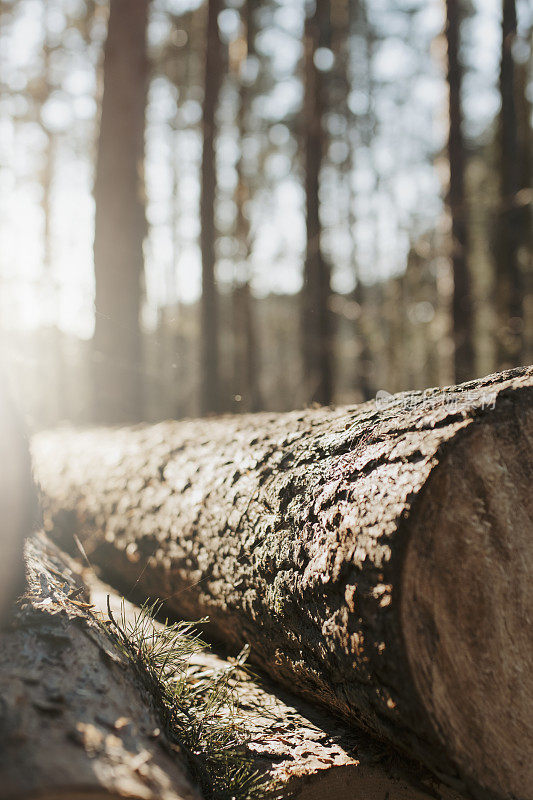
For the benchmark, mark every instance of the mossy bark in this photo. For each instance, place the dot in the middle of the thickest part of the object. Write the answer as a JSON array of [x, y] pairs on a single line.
[[377, 558]]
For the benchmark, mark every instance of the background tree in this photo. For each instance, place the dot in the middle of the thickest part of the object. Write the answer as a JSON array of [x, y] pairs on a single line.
[[385, 245], [462, 306], [510, 227], [246, 391], [210, 399], [120, 216], [316, 315]]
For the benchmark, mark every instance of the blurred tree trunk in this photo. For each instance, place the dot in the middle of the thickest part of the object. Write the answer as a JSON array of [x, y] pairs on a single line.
[[525, 115], [209, 355], [47, 175], [462, 303], [344, 22], [245, 372], [316, 316], [509, 231], [120, 224], [359, 17], [48, 284]]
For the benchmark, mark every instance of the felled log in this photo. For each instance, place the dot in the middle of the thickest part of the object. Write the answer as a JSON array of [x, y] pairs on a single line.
[[377, 558], [74, 721], [301, 752], [18, 502]]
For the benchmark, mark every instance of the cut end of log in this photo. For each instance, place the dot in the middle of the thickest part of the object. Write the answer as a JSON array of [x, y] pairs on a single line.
[[466, 602]]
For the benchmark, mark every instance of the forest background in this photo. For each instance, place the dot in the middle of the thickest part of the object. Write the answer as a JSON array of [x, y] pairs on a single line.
[[231, 206]]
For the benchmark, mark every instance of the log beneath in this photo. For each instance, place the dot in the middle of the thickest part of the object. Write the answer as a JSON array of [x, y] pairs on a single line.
[[378, 558], [74, 722]]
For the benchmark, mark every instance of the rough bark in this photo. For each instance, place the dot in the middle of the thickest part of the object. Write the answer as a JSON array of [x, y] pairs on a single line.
[[302, 752], [316, 315], [462, 310], [120, 224], [75, 723], [209, 358], [377, 559], [358, 19]]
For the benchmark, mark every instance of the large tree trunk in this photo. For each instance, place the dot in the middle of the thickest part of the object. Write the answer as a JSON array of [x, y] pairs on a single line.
[[462, 311], [511, 217], [76, 722], [209, 359], [120, 224], [377, 559], [316, 314]]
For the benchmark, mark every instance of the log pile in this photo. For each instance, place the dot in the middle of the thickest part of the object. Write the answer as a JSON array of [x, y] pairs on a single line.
[[378, 559], [77, 723], [300, 751]]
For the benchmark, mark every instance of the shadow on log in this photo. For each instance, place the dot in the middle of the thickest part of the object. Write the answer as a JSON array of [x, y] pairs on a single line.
[[377, 558]]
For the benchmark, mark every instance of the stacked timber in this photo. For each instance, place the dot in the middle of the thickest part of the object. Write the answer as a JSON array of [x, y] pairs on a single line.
[[378, 559], [78, 723]]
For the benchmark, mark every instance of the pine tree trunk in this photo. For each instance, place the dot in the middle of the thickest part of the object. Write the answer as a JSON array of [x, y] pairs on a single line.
[[377, 559], [509, 282], [525, 199], [120, 224], [316, 315], [462, 308], [18, 501], [210, 400], [246, 394]]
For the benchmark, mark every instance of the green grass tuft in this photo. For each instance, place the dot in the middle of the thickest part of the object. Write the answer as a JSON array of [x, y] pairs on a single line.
[[196, 707]]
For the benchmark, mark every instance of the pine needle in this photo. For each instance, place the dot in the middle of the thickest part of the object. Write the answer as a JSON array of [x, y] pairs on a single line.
[[197, 708]]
